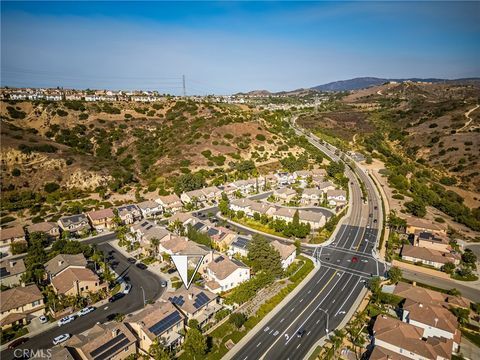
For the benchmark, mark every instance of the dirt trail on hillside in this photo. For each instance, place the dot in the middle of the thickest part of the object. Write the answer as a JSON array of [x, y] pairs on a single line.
[[467, 115]]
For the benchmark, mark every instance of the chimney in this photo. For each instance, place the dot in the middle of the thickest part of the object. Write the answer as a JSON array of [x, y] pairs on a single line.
[[115, 332], [436, 321], [420, 305], [12, 263], [190, 296], [60, 262], [414, 283]]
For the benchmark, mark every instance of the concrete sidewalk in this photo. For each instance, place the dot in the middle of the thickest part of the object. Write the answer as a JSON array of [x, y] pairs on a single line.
[[271, 314]]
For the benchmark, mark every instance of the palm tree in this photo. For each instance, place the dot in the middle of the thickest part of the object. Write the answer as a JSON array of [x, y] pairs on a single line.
[[154, 242]]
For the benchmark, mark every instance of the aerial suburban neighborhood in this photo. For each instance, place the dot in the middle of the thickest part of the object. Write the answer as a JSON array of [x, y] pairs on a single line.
[[205, 181]]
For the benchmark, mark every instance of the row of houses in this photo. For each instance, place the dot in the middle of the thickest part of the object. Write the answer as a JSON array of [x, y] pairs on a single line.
[[68, 275], [426, 328], [250, 207], [164, 321]]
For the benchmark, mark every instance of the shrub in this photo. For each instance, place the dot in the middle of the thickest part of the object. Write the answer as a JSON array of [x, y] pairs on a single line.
[[238, 319], [260, 137], [83, 116], [16, 114], [61, 112], [51, 187], [16, 172]]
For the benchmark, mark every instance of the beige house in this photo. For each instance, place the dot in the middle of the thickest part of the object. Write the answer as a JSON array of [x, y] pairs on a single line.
[[11, 271], [77, 282], [428, 257], [221, 236], [129, 213], [20, 304], [285, 194], [195, 303], [61, 262], [315, 219], [101, 219], [9, 236], [170, 203], [75, 224], [50, 228], [406, 341], [416, 224], [160, 320], [433, 241], [113, 341]]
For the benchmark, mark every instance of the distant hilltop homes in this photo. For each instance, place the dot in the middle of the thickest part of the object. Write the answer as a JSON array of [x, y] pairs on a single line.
[[79, 95]]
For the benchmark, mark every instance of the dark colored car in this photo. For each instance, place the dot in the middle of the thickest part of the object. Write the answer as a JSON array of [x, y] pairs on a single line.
[[171, 270], [18, 342], [112, 316], [132, 260], [354, 259], [300, 333], [115, 297], [375, 207], [374, 221], [141, 266]]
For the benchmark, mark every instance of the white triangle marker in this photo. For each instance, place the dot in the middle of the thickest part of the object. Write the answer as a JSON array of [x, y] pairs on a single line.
[[181, 263]]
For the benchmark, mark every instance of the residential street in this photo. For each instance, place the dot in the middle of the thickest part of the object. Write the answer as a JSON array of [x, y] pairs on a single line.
[[131, 302]]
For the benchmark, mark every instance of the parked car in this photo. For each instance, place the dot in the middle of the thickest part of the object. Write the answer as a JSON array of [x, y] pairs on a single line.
[[374, 221], [116, 296], [60, 339], [43, 319], [354, 259], [132, 260], [300, 333], [86, 310], [66, 320], [163, 283], [18, 342], [141, 266], [171, 270], [127, 289]]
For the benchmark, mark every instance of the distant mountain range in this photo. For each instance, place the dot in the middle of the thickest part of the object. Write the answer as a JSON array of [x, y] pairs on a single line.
[[364, 82]]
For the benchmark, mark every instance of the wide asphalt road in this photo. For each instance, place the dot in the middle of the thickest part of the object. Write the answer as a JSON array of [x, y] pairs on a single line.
[[345, 265], [130, 303]]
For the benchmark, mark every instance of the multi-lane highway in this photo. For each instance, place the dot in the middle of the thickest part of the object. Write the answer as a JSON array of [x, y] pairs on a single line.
[[144, 283], [320, 306]]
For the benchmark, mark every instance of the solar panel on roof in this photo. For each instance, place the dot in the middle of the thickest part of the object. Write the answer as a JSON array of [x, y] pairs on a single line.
[[177, 300], [108, 344], [4, 272], [198, 226], [107, 354], [201, 300], [219, 259], [242, 242], [149, 227], [165, 323]]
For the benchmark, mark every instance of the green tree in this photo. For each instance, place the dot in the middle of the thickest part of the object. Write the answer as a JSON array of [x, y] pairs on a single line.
[[416, 207], [195, 343], [264, 257], [454, 292], [448, 268], [157, 351], [335, 168], [298, 246], [395, 274], [238, 319], [395, 222], [375, 286], [356, 336], [469, 258], [35, 258]]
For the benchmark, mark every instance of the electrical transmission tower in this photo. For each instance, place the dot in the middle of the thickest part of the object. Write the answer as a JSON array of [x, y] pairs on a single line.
[[184, 88]]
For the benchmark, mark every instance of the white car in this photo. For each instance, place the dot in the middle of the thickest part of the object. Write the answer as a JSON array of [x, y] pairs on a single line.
[[86, 311], [60, 339], [43, 319], [127, 289], [66, 320]]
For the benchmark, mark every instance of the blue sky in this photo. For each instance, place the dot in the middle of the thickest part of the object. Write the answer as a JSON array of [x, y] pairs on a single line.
[[225, 47]]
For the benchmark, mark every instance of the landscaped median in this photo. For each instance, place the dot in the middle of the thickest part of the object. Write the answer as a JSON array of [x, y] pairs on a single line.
[[229, 331]]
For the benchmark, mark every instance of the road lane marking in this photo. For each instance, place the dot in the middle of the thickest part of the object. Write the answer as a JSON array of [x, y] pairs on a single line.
[[282, 320], [341, 307], [284, 332], [301, 299], [321, 302], [260, 343], [299, 345], [292, 309]]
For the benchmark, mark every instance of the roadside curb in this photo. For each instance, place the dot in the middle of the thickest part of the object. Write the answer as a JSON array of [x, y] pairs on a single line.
[[238, 346], [342, 324]]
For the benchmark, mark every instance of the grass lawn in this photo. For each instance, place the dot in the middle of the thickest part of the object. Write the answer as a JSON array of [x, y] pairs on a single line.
[[474, 337], [228, 331], [258, 226]]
